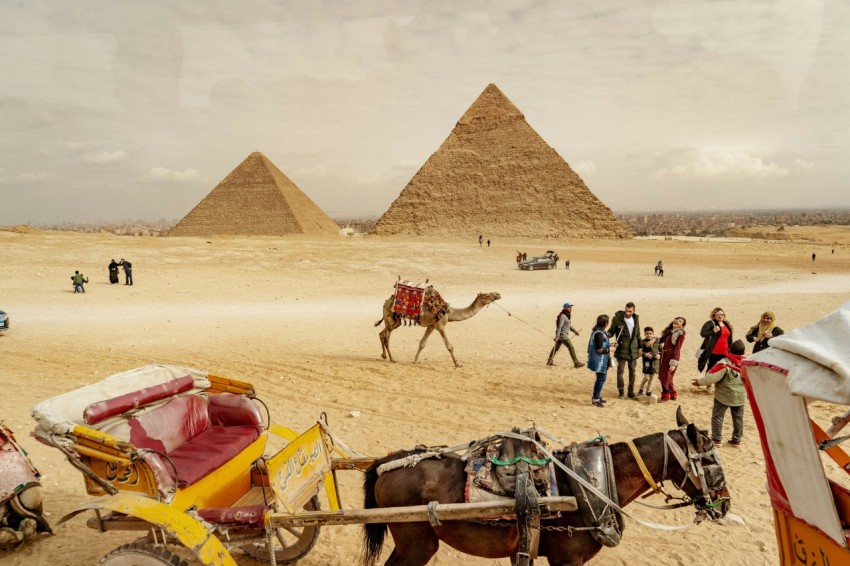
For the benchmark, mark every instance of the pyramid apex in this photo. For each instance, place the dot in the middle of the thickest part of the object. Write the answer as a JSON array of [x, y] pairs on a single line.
[[491, 103]]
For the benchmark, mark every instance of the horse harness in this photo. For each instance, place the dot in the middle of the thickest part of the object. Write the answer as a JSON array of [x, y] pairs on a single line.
[[707, 478]]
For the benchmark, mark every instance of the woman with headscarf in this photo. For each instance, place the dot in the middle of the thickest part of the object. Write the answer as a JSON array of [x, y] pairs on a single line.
[[672, 339], [716, 337], [763, 331]]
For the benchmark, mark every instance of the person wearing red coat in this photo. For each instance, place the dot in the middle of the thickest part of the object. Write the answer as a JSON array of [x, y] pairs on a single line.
[[672, 339]]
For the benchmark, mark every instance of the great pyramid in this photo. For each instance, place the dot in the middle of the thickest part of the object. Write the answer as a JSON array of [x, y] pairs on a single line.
[[255, 199], [495, 175]]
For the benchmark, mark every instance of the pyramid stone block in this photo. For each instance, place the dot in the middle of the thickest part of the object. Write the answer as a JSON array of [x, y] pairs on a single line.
[[255, 199], [495, 175]]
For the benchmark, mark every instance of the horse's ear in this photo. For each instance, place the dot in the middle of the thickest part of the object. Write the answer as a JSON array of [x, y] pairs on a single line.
[[693, 436], [680, 417]]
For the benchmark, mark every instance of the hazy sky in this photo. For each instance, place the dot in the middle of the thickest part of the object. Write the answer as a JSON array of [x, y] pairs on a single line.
[[117, 110]]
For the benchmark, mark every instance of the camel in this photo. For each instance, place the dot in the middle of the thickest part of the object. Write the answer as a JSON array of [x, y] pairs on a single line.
[[430, 322]]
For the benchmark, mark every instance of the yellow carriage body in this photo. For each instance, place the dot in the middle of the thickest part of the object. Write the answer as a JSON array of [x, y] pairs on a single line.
[[143, 486]]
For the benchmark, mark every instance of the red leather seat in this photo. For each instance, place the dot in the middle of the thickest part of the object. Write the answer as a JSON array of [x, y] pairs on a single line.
[[198, 434]]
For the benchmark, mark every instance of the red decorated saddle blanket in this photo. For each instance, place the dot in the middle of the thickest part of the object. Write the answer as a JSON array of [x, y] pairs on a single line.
[[408, 301]]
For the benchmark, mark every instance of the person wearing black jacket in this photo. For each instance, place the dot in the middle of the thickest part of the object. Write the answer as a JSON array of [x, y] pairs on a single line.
[[625, 329], [716, 338], [128, 271]]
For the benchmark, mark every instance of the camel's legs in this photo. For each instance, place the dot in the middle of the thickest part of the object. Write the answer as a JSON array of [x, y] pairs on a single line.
[[422, 342], [449, 347], [384, 335]]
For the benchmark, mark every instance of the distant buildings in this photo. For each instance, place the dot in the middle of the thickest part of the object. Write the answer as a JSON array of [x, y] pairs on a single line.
[[716, 223]]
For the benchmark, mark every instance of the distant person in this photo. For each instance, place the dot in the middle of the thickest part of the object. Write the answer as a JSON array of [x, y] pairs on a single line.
[[113, 272], [480, 239], [814, 255], [649, 360], [672, 339], [566, 264], [763, 331], [524, 256], [555, 258], [488, 243], [78, 280], [128, 271], [599, 357], [625, 329], [563, 326], [729, 394], [659, 268], [518, 257]]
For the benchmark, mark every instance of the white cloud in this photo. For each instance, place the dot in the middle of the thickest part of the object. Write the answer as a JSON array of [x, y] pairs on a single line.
[[34, 177], [585, 168], [163, 174], [407, 164], [74, 146], [104, 158], [311, 172], [803, 165], [720, 164]]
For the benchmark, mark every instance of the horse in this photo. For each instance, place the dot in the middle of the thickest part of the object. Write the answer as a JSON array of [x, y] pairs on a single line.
[[565, 539]]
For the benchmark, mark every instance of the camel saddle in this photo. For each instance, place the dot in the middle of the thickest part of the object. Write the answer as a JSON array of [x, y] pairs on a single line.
[[592, 462]]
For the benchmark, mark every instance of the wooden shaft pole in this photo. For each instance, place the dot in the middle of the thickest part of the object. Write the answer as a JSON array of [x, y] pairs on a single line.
[[415, 513]]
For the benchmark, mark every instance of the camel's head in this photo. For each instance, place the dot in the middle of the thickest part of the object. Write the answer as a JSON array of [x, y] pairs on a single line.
[[488, 298]]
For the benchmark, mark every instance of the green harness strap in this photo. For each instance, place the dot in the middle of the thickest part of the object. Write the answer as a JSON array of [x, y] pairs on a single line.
[[513, 461]]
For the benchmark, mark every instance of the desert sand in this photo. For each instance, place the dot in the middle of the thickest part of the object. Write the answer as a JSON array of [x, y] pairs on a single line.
[[295, 316]]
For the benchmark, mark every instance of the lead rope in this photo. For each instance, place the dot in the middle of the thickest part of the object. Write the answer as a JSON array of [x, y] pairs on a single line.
[[521, 320]]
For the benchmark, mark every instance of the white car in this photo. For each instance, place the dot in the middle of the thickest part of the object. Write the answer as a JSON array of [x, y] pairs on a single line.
[[4, 321]]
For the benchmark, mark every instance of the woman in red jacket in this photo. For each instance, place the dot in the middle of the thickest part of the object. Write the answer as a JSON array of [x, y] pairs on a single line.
[[672, 339]]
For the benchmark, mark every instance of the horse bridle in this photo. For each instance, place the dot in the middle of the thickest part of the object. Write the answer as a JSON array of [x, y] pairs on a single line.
[[706, 478]]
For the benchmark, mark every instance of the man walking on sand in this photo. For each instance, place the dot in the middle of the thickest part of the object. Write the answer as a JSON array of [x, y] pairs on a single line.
[[563, 326], [625, 329]]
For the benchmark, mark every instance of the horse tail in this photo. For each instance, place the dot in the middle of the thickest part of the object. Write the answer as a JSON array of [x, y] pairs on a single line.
[[373, 533], [379, 322]]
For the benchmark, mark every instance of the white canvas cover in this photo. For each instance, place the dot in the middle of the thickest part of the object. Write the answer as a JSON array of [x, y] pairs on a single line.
[[794, 452], [59, 414], [817, 357]]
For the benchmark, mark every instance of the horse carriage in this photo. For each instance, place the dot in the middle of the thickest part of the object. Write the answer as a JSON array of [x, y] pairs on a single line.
[[185, 458], [811, 510]]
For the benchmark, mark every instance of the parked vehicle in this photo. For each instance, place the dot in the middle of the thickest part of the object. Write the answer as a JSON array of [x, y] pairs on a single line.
[[4, 321], [546, 261]]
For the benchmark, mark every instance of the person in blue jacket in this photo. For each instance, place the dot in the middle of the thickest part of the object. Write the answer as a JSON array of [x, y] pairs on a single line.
[[599, 356]]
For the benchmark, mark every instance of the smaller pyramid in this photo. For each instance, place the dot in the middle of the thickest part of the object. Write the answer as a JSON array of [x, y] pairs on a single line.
[[255, 199]]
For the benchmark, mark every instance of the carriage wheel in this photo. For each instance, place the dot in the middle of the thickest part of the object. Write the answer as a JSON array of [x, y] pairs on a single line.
[[293, 543], [141, 554]]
